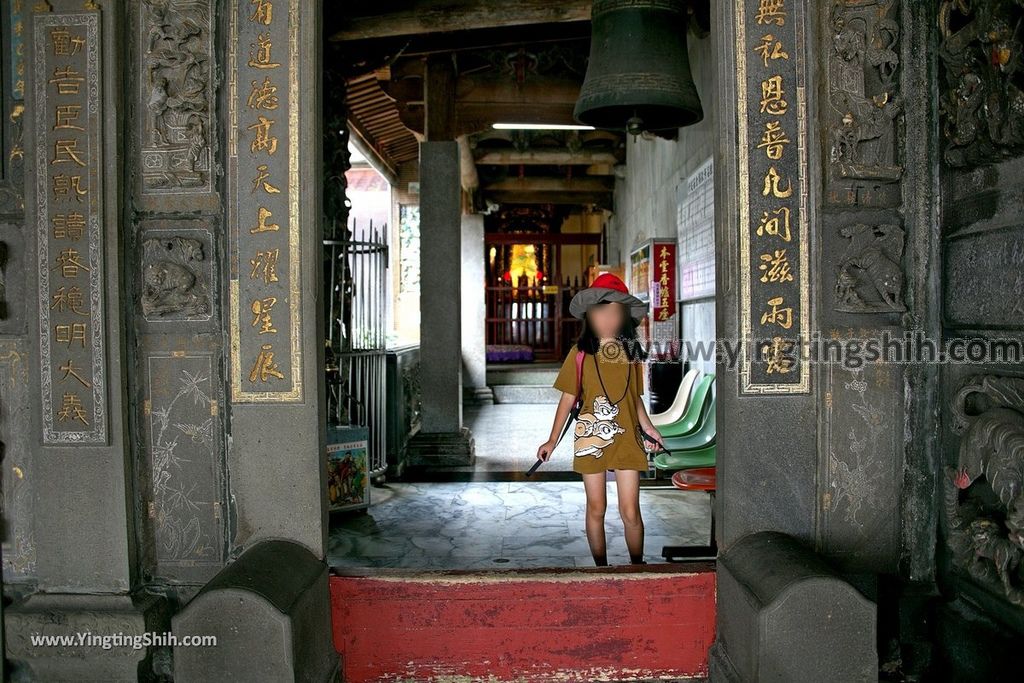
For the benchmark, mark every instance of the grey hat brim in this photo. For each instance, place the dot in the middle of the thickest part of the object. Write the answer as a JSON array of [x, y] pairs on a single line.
[[596, 295]]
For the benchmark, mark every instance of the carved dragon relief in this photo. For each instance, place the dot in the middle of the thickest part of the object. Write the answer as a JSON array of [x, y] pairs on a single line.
[[982, 101], [863, 95], [176, 46], [870, 277], [985, 489]]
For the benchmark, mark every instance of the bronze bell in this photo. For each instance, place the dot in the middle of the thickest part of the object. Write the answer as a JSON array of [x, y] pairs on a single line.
[[638, 77]]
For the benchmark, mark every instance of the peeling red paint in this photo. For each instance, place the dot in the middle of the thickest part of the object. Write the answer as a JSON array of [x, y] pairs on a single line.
[[608, 624]]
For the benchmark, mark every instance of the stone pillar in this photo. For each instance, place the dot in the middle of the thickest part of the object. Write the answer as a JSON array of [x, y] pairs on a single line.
[[474, 312], [442, 439], [82, 534]]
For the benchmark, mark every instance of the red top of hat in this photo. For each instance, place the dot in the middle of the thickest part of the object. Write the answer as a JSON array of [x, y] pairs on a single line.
[[610, 281]]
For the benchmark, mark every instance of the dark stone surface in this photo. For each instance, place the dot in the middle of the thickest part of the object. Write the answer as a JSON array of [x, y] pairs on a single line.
[[786, 615], [269, 612]]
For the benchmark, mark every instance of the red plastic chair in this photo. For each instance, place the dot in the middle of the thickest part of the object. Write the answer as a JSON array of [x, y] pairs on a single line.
[[695, 479]]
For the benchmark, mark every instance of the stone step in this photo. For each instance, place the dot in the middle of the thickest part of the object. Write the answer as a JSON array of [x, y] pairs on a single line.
[[530, 375], [526, 393]]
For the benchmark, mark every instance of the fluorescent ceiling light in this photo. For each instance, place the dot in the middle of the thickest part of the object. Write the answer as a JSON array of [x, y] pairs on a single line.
[[539, 126]]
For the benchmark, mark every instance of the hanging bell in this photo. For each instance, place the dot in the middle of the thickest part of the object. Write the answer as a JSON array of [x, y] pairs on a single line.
[[638, 77]]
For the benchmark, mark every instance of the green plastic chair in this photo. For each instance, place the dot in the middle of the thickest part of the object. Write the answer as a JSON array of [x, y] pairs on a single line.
[[702, 438], [694, 411], [681, 460]]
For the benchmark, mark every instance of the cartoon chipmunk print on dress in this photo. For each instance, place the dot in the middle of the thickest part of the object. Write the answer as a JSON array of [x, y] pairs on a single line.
[[597, 429]]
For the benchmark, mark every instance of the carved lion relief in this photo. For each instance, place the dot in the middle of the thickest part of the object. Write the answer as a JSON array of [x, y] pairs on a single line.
[[985, 489], [175, 281], [870, 277]]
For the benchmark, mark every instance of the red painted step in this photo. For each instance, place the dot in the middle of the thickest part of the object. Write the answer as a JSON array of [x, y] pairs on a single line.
[[594, 624]]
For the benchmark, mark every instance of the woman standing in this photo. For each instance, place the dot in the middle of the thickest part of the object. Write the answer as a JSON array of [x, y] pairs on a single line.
[[613, 425]]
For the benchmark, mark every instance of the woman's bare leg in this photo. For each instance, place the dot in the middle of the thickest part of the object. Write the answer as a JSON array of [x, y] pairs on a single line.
[[596, 487], [627, 486]]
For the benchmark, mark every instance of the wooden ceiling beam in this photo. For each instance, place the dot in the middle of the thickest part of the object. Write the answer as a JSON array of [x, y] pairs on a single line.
[[442, 16], [554, 157], [550, 184]]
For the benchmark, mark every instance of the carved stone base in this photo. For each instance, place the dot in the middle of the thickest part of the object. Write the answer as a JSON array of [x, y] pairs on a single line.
[[269, 610], [89, 620], [477, 396], [442, 449]]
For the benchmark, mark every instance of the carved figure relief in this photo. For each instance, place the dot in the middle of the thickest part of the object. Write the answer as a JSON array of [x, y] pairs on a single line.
[[982, 104], [870, 277], [12, 184], [177, 92], [175, 282], [984, 491], [863, 95]]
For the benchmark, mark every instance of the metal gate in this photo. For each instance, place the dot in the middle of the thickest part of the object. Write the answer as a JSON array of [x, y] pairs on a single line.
[[532, 314], [355, 268]]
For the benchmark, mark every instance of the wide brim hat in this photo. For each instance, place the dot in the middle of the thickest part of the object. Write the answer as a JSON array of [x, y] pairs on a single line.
[[607, 288]]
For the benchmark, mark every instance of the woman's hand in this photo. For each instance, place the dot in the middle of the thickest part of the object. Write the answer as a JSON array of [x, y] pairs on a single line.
[[652, 432], [544, 452]]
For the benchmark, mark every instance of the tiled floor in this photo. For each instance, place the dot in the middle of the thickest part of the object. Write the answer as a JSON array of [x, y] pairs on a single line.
[[479, 525], [507, 436]]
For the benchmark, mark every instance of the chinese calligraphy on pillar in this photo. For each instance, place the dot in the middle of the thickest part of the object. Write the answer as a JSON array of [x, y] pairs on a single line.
[[16, 37], [664, 320], [265, 302], [773, 204], [69, 223]]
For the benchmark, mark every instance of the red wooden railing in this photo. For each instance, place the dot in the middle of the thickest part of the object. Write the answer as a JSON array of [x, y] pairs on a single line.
[[534, 314]]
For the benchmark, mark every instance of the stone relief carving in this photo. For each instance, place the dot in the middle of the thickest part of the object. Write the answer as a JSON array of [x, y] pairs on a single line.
[[863, 93], [982, 104], [185, 420], [174, 279], [855, 471], [870, 277], [177, 89], [985, 489]]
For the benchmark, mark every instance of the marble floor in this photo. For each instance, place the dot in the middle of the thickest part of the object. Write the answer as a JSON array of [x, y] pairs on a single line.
[[503, 524]]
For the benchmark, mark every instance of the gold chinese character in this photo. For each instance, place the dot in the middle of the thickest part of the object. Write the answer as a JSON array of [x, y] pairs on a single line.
[[67, 80], [70, 370], [71, 409], [68, 226], [259, 56], [69, 300], [263, 178], [769, 51], [262, 139], [775, 267], [265, 366], [69, 264], [63, 185], [771, 185], [772, 95], [779, 359], [783, 317], [66, 151], [776, 225], [769, 11], [263, 96], [264, 12], [66, 115], [65, 44], [261, 222], [264, 266], [261, 314], [68, 334], [773, 140]]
